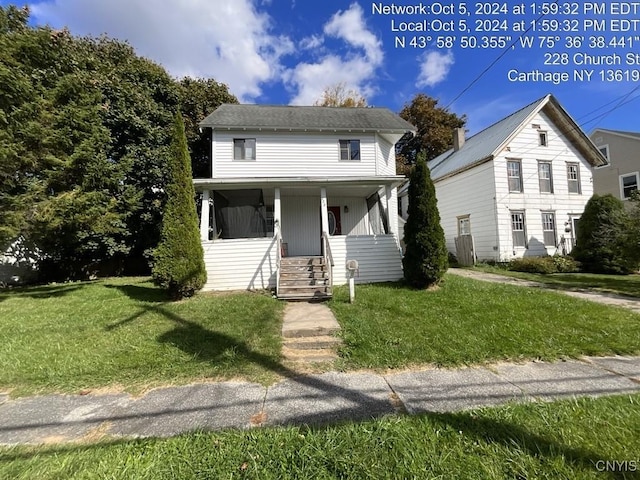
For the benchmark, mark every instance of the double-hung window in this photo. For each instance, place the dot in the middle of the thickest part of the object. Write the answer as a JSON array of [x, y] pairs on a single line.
[[573, 177], [244, 148], [514, 173], [545, 177], [628, 184], [549, 228], [349, 149], [464, 225], [518, 229]]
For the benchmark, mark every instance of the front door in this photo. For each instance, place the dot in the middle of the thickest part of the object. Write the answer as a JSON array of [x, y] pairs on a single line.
[[335, 226]]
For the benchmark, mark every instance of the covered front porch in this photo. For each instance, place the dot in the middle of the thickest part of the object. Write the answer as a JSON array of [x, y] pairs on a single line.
[[249, 227]]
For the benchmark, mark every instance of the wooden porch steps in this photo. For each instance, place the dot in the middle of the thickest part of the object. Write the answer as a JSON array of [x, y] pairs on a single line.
[[304, 278]]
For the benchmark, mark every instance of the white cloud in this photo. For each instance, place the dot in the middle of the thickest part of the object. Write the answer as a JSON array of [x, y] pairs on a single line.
[[229, 41], [434, 68], [312, 42], [353, 69]]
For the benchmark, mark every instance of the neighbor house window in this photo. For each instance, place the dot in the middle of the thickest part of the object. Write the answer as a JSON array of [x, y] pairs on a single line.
[[514, 172], [628, 184], [573, 177], [349, 149], [464, 225], [549, 228], [244, 148], [545, 177], [518, 229], [604, 150], [542, 138]]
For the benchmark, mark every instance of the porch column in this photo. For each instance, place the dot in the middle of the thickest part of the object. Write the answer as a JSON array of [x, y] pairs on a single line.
[[323, 211], [387, 195], [277, 212], [204, 217]]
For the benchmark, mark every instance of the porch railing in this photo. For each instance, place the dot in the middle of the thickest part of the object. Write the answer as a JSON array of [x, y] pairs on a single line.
[[278, 256], [328, 257]]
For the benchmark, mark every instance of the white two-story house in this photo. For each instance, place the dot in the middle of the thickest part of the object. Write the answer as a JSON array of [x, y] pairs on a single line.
[[300, 189], [519, 187]]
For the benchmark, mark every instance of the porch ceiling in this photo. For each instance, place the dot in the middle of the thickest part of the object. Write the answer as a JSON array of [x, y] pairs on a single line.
[[336, 186]]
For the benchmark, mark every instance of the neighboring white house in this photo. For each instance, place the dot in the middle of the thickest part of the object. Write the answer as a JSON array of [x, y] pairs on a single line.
[[282, 175], [519, 187], [621, 175]]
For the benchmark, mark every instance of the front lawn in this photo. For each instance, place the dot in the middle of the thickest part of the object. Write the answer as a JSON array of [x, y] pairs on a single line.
[[586, 438], [124, 332], [468, 321], [618, 284]]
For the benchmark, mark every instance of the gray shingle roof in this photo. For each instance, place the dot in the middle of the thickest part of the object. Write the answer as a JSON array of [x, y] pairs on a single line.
[[619, 132], [481, 145], [278, 117], [485, 144]]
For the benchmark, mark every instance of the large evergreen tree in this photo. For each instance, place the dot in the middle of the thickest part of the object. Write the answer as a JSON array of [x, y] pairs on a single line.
[[425, 260], [179, 263]]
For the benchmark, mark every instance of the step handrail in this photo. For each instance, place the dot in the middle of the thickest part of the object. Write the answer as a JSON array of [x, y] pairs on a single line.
[[328, 257], [278, 254]]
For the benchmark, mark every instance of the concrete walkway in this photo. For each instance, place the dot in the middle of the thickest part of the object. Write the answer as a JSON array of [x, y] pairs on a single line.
[[311, 399], [606, 298]]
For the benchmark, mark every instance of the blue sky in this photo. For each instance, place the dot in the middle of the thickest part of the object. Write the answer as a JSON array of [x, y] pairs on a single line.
[[288, 51]]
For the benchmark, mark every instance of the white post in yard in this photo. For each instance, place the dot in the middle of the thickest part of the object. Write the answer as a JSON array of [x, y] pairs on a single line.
[[204, 217], [352, 288], [323, 211]]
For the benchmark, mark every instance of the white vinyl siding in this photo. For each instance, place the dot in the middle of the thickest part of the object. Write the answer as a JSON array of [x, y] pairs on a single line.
[[377, 255], [240, 264], [455, 199], [281, 154], [558, 152], [385, 157]]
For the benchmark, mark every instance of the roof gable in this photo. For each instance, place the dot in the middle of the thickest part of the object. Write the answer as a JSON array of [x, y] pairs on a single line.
[[486, 144], [620, 133], [279, 117]]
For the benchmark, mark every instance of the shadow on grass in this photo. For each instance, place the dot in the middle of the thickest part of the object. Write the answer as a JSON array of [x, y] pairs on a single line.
[[513, 436], [142, 294], [42, 292]]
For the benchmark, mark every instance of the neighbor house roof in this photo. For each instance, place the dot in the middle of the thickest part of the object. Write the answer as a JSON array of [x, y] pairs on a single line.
[[485, 145], [635, 135], [278, 117]]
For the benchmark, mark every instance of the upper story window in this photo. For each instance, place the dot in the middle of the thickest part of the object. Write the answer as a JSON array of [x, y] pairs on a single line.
[[543, 139], [604, 150], [514, 172], [244, 148], [573, 177], [545, 177], [628, 184], [349, 149]]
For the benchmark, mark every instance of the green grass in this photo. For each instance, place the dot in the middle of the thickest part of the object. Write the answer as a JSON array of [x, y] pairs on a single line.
[[568, 439], [619, 284], [87, 335], [468, 321]]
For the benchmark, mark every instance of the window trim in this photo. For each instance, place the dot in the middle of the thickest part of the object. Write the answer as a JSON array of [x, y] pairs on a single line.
[[348, 142], [460, 219], [555, 228], [543, 134], [524, 228], [509, 177], [545, 162], [244, 149], [607, 156], [578, 179], [620, 177]]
